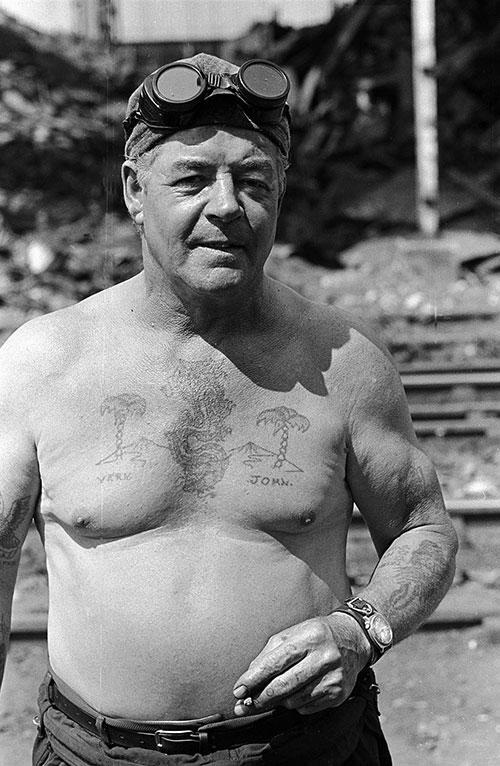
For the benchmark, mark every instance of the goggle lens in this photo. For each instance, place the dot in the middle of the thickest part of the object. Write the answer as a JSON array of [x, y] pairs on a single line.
[[264, 80], [179, 84]]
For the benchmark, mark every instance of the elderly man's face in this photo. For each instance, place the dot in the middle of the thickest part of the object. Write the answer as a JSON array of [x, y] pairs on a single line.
[[210, 207]]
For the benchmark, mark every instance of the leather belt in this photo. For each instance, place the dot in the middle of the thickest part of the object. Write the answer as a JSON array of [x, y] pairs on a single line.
[[177, 737]]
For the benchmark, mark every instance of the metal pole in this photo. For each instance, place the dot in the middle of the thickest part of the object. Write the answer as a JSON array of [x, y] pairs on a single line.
[[425, 111], [106, 14]]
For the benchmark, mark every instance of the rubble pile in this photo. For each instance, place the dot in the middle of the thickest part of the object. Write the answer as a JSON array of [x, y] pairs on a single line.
[[353, 157], [61, 139], [60, 107]]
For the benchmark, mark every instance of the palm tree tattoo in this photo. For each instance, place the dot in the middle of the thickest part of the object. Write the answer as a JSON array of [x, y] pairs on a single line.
[[122, 407], [283, 418]]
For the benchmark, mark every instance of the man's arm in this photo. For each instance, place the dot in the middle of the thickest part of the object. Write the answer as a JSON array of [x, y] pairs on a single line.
[[314, 665], [395, 487], [399, 496], [19, 480]]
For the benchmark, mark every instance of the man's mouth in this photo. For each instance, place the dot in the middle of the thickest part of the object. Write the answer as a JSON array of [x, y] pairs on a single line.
[[216, 245]]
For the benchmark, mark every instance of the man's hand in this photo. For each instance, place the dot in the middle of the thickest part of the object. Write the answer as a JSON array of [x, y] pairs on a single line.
[[308, 667]]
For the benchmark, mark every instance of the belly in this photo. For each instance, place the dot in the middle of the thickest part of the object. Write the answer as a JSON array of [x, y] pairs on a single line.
[[161, 624]]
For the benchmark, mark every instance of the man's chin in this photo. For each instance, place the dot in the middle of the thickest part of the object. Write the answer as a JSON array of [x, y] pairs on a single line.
[[224, 279], [220, 256]]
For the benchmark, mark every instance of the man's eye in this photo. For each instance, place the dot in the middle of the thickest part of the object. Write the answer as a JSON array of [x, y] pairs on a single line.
[[255, 183], [194, 180]]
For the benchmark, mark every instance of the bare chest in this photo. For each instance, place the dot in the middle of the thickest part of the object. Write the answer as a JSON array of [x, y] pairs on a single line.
[[197, 442]]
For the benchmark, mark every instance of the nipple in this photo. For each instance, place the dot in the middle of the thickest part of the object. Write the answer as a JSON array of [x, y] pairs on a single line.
[[307, 518], [81, 522]]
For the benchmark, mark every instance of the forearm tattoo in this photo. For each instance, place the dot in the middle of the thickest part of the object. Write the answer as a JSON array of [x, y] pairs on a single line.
[[418, 574], [10, 543]]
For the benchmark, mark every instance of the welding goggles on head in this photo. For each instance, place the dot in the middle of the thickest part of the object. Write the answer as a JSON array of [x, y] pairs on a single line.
[[170, 95]]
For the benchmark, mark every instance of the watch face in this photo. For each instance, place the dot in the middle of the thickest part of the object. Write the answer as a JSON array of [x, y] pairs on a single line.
[[381, 630]]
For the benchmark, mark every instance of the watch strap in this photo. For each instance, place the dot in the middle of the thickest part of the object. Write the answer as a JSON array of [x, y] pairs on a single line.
[[375, 650], [373, 623]]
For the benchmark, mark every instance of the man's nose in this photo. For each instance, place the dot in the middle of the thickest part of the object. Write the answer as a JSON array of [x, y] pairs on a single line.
[[223, 203]]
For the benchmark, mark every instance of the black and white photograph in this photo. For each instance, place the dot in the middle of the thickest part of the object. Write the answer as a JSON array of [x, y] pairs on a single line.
[[249, 383]]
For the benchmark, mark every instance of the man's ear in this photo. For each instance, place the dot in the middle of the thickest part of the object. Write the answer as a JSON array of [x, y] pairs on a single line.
[[280, 199], [133, 193]]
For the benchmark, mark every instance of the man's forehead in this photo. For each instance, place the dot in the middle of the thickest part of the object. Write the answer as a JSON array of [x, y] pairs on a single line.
[[215, 142]]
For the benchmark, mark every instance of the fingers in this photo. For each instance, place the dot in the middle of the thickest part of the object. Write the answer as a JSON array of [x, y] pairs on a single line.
[[265, 667], [288, 683], [285, 650], [296, 691], [305, 682], [303, 668]]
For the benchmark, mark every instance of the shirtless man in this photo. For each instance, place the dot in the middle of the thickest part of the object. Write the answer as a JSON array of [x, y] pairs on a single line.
[[190, 444]]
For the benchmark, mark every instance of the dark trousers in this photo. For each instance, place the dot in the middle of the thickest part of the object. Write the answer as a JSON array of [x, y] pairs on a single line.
[[348, 735]]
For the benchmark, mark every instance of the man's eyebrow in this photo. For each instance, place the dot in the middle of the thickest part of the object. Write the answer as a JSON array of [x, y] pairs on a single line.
[[194, 163], [189, 164], [258, 163]]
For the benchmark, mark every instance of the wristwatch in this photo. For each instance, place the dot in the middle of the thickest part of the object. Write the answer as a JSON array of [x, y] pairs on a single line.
[[374, 625]]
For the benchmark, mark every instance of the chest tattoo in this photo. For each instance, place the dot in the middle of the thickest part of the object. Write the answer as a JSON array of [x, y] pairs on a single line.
[[282, 419], [196, 440], [121, 407]]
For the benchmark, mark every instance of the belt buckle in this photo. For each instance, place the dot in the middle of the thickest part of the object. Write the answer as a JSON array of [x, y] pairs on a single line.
[[179, 737]]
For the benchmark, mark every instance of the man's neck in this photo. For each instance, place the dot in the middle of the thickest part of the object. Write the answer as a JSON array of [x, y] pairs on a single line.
[[184, 315]]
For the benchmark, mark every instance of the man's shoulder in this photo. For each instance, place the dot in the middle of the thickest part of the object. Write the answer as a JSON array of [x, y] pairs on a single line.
[[360, 337], [46, 344], [54, 343], [357, 368], [344, 332], [354, 361]]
